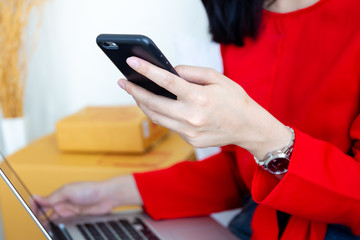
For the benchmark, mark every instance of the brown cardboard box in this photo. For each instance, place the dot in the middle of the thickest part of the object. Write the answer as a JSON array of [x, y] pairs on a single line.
[[43, 168], [122, 129]]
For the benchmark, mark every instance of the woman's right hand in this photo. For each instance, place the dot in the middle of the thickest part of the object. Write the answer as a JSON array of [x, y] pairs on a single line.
[[90, 198]]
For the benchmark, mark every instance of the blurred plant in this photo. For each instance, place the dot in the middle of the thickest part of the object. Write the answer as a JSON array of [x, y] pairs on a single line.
[[15, 51]]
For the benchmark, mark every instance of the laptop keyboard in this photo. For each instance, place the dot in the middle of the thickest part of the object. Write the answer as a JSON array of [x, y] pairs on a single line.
[[121, 229]]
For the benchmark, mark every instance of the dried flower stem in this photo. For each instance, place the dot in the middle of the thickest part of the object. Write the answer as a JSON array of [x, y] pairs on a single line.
[[14, 18]]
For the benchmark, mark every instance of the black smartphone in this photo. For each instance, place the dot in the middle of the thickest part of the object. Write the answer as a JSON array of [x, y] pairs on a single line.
[[119, 47]]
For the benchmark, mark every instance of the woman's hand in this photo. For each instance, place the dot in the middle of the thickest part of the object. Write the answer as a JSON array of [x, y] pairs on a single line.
[[211, 110], [90, 198]]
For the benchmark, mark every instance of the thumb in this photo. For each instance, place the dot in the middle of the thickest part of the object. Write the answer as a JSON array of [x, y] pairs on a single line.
[[198, 75]]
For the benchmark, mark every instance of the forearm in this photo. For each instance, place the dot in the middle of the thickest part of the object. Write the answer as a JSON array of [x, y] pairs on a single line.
[[190, 188]]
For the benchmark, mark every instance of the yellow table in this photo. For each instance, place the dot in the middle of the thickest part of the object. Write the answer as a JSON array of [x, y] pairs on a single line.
[[43, 168]]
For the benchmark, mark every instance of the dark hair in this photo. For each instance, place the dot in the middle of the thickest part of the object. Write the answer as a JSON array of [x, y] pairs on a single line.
[[230, 21]]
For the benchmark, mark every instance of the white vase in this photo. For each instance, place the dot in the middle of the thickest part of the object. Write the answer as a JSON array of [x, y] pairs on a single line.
[[13, 135]]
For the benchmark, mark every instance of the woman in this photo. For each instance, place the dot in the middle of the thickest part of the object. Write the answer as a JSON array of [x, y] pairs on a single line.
[[286, 112]]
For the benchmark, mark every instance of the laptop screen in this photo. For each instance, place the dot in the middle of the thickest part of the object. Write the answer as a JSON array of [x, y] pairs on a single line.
[[24, 196]]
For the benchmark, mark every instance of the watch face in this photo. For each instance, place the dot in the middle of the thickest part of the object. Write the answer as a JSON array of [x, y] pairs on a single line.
[[278, 165]]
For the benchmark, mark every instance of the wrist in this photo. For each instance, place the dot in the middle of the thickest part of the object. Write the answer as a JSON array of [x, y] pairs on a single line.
[[122, 190], [275, 139], [264, 133]]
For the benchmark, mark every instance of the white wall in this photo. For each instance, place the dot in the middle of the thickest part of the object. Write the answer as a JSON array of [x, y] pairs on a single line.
[[68, 71]]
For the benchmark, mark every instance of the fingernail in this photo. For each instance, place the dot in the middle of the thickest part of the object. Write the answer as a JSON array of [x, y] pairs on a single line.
[[132, 62], [121, 84]]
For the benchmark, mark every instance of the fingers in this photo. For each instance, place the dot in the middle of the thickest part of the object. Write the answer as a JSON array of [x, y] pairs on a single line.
[[42, 208], [34, 205], [198, 75], [149, 101], [71, 200], [161, 77], [66, 210], [160, 119], [40, 200], [101, 208], [49, 203], [53, 199]]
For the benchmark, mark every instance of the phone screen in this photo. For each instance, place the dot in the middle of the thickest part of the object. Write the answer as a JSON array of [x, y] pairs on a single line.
[[119, 47]]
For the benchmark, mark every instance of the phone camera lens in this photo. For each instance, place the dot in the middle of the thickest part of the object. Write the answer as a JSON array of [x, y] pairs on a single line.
[[110, 45]]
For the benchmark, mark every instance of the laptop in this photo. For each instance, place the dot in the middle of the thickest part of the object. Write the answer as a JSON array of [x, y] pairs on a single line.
[[127, 225]]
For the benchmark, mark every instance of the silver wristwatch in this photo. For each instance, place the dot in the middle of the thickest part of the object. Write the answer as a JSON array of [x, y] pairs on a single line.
[[277, 162]]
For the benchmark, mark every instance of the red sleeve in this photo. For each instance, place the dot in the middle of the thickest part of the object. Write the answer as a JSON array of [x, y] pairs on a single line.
[[323, 183], [190, 188]]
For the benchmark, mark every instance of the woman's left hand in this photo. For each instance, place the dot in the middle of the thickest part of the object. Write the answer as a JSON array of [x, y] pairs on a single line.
[[210, 110]]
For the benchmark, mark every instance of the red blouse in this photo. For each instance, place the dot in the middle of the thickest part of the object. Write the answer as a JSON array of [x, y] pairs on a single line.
[[305, 70]]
